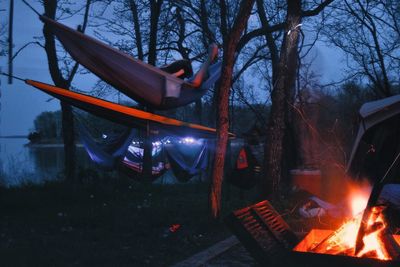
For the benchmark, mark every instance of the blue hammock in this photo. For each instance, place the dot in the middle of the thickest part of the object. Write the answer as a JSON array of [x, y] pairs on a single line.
[[117, 152], [106, 154], [184, 167]]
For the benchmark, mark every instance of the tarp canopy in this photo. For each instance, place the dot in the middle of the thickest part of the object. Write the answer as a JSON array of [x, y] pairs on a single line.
[[377, 142], [120, 152], [107, 153], [142, 82], [187, 160], [130, 117]]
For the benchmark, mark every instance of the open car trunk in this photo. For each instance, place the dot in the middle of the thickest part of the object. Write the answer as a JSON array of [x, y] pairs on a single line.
[[377, 142]]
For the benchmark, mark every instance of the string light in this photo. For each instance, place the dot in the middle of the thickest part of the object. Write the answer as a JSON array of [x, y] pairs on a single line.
[[298, 25]]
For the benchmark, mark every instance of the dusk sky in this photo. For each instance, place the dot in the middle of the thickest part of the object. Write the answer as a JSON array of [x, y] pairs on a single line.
[[20, 104]]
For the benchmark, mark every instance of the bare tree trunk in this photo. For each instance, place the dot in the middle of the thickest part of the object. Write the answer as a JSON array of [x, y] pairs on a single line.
[[207, 35], [223, 104], [181, 34], [69, 143], [50, 7], [198, 111], [207, 38], [10, 42], [273, 49], [282, 90], [155, 9], [198, 108], [136, 25], [147, 169]]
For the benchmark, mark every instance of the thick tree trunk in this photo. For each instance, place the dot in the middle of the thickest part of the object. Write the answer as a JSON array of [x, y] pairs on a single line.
[[281, 97], [56, 75], [223, 105], [69, 143]]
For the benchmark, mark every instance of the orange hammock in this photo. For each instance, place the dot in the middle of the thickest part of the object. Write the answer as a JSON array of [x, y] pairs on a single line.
[[128, 116]]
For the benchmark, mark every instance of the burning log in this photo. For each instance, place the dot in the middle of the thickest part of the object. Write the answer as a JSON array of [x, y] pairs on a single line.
[[390, 245], [368, 212], [377, 243], [341, 241], [376, 237]]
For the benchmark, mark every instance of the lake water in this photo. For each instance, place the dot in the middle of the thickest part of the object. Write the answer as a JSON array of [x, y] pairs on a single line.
[[20, 164]]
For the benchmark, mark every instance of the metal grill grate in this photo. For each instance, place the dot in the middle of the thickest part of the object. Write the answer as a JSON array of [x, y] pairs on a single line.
[[263, 233]]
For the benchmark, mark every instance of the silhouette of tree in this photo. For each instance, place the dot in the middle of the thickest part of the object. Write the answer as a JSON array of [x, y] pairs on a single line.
[[62, 76]]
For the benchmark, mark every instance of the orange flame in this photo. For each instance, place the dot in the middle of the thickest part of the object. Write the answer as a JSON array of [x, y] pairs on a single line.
[[371, 241], [358, 197], [358, 204], [343, 240]]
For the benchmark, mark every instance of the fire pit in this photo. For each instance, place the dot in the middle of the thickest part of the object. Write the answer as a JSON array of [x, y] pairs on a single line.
[[305, 255], [378, 246], [338, 247], [320, 247], [363, 240]]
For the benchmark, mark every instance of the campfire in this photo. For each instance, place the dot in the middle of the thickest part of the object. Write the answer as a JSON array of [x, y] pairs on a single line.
[[376, 242]]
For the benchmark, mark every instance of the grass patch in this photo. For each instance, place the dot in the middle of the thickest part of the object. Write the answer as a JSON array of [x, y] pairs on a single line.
[[113, 223]]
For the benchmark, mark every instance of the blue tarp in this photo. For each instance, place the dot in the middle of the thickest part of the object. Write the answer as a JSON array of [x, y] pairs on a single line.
[[186, 166], [106, 154], [185, 160], [390, 194]]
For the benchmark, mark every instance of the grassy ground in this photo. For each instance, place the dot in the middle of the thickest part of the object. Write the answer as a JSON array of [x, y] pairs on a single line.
[[112, 223]]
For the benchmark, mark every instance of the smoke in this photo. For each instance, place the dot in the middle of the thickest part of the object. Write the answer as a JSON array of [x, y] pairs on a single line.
[[323, 135]]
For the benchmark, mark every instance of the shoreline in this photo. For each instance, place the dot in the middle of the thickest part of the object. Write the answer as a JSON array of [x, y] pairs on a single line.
[[14, 137], [47, 145]]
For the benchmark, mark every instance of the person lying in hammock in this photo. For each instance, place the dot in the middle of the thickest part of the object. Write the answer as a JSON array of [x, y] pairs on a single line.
[[180, 68], [146, 84]]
